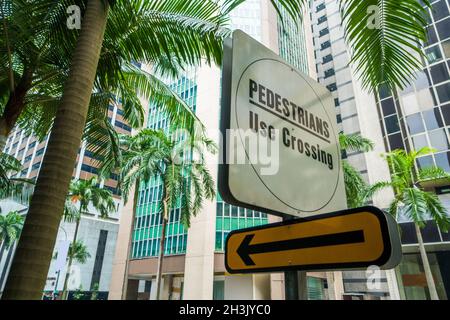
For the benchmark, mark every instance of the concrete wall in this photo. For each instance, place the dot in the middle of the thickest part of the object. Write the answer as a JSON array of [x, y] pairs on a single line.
[[89, 233]]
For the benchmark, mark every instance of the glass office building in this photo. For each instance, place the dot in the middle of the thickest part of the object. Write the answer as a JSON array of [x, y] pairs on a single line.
[[148, 219], [417, 117]]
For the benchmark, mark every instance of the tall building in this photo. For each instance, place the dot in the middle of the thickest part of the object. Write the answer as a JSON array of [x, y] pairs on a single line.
[[409, 119], [416, 117], [356, 113], [194, 259], [98, 234]]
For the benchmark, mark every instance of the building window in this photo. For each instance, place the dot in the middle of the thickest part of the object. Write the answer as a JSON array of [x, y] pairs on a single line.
[[320, 7], [40, 151], [431, 35], [324, 32], [433, 119], [443, 160], [325, 45], [329, 73], [327, 58], [433, 54], [425, 162], [336, 102], [443, 92], [332, 87], [392, 124], [415, 124], [439, 73], [446, 113], [338, 118], [36, 166], [384, 92], [438, 140], [439, 10], [443, 29], [122, 125], [89, 168], [395, 141], [322, 19], [388, 107], [419, 141]]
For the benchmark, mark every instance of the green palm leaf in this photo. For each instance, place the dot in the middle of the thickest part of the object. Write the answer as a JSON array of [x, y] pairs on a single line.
[[388, 52]]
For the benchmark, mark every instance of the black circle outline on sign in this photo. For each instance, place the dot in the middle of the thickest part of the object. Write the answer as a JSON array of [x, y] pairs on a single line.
[[246, 153]]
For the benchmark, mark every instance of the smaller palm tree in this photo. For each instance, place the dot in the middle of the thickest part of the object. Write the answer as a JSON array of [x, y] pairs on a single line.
[[10, 185], [413, 201], [358, 191], [8, 165], [78, 252], [82, 193], [10, 227], [185, 180]]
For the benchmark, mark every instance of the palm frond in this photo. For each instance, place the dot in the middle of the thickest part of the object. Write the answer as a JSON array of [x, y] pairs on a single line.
[[437, 210], [385, 37], [78, 251], [432, 173], [355, 142], [415, 205]]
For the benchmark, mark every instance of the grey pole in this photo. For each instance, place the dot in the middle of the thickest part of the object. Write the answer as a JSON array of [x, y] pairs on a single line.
[[290, 278]]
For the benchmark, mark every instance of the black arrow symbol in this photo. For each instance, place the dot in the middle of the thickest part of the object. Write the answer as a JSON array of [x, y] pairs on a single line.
[[246, 249]]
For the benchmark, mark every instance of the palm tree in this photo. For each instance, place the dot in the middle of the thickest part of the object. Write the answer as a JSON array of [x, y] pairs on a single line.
[[357, 190], [382, 54], [78, 252], [40, 44], [41, 47], [414, 202], [10, 228], [185, 180], [169, 34], [10, 184], [84, 192]]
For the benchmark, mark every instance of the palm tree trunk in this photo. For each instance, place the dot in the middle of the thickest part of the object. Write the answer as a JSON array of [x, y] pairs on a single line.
[[15, 105], [130, 241], [3, 138], [2, 250], [6, 265], [161, 251], [426, 266], [34, 253], [64, 294]]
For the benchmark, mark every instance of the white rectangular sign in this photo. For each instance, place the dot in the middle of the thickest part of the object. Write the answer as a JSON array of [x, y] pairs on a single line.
[[280, 148]]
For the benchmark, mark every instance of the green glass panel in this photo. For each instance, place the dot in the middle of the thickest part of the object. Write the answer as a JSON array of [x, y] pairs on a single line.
[[226, 224], [234, 223], [219, 224]]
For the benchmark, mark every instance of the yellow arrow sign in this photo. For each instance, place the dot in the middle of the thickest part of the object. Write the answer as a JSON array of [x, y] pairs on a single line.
[[349, 239]]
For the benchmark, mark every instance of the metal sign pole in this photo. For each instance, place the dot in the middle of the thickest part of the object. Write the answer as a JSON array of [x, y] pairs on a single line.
[[291, 284]]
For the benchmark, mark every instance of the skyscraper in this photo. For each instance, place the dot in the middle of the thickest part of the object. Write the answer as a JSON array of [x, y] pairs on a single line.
[[416, 117], [407, 119], [356, 113]]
